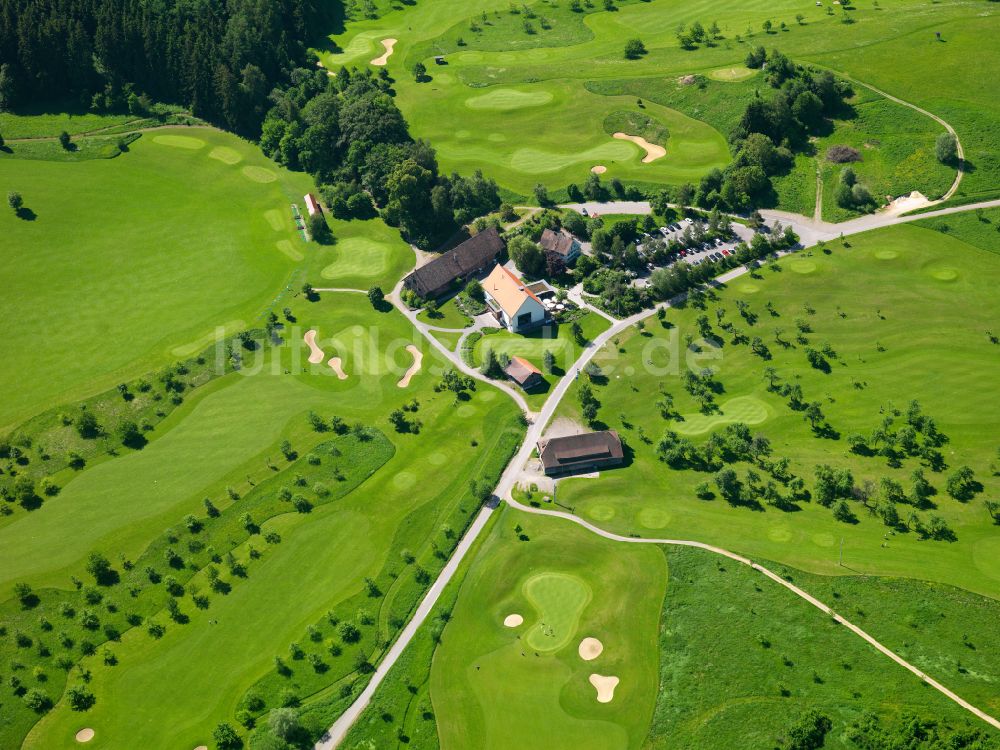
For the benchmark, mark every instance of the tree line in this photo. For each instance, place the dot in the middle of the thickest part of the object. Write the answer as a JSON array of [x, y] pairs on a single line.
[[220, 59]]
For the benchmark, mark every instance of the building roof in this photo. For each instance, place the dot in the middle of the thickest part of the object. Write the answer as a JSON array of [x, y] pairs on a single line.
[[521, 370], [560, 242], [312, 205], [472, 255], [507, 289], [573, 450]]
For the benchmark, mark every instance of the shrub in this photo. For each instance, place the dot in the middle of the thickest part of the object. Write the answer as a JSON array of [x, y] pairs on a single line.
[[841, 154]]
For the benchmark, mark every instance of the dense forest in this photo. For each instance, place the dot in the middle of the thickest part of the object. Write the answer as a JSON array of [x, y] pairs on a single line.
[[221, 59]]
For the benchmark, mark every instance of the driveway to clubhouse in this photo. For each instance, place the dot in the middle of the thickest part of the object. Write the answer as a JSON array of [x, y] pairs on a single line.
[[536, 426]]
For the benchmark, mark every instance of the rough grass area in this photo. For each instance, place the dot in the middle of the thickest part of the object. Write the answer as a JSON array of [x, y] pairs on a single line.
[[743, 659], [905, 313], [980, 228], [637, 123]]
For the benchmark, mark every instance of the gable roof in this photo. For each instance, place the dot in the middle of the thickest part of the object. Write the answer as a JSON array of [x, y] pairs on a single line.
[[508, 290], [566, 452], [521, 370], [560, 242], [469, 257]]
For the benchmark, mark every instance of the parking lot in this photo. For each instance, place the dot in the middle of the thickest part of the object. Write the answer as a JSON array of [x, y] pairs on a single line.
[[692, 252]]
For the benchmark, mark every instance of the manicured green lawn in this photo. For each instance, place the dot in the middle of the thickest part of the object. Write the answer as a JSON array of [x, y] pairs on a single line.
[[906, 311], [131, 262], [364, 254], [557, 339], [446, 316], [493, 686], [449, 339]]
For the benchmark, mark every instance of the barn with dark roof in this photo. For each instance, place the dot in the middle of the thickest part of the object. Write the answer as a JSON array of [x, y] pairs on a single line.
[[470, 258]]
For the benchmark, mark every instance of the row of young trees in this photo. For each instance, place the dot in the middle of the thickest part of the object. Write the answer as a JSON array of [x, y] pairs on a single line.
[[220, 59]]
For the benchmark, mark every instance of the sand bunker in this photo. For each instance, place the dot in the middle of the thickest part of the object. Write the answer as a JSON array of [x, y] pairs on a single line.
[[512, 621], [414, 368], [598, 169], [590, 649], [653, 152], [316, 354], [605, 687], [384, 57], [335, 365], [85, 735], [201, 747], [910, 202]]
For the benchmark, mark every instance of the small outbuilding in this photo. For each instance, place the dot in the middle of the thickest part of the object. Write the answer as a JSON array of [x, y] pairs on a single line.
[[589, 451], [312, 205], [522, 372]]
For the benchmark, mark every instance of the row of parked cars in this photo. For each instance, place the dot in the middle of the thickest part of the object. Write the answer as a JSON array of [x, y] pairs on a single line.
[[694, 253]]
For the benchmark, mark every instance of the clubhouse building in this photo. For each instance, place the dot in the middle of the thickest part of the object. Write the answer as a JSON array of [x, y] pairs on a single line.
[[511, 302]]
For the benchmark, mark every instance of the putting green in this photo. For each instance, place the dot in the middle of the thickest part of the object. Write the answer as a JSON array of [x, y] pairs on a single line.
[[288, 249], [559, 599], [746, 409], [226, 155], [779, 533], [506, 99], [259, 174], [274, 217], [886, 254], [179, 141], [941, 272], [358, 256], [802, 266], [653, 518], [735, 73], [747, 287], [601, 512]]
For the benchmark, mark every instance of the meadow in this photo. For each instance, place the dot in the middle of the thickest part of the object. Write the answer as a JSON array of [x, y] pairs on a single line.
[[903, 313], [538, 108]]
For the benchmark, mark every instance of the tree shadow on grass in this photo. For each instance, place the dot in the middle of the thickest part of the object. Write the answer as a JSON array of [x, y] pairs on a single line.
[[26, 214]]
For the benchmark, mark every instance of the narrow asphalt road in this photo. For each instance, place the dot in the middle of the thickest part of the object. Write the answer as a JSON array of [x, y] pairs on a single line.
[[537, 423]]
